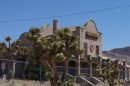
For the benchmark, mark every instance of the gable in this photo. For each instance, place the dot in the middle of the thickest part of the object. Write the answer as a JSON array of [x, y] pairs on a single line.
[[46, 31], [90, 27]]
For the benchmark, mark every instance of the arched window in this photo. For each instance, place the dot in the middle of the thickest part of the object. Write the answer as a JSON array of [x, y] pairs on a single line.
[[97, 50]]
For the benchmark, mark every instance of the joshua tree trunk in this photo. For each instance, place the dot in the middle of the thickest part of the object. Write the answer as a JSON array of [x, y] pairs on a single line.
[[111, 81], [53, 82], [104, 82], [56, 76], [9, 70], [65, 70], [51, 65]]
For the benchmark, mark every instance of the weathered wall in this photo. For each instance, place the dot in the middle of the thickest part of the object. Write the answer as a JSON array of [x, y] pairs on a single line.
[[91, 28]]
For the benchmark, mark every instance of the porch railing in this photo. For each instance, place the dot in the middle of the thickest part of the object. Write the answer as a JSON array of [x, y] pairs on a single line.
[[73, 71]]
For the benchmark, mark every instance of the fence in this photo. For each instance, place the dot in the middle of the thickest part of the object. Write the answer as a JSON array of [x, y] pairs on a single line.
[[13, 73], [83, 71], [20, 73]]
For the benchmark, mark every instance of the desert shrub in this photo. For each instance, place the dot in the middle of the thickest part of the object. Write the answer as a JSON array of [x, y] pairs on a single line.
[[33, 72], [68, 83], [48, 75]]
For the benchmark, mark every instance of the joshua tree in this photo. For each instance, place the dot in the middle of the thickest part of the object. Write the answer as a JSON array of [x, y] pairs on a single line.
[[71, 48], [110, 72], [57, 48]]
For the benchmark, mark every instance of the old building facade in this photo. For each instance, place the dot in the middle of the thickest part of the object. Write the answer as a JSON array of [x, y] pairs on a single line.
[[90, 40], [88, 34]]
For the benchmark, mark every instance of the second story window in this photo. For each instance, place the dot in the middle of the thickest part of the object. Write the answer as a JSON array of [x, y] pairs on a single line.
[[97, 50], [91, 36], [85, 48]]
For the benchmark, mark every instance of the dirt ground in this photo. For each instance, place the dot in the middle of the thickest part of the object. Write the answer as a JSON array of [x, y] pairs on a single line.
[[23, 83]]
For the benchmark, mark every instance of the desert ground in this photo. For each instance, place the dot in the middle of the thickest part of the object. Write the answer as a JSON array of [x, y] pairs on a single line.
[[23, 83]]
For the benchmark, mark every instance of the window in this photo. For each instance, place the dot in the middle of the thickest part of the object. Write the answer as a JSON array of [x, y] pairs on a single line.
[[97, 49], [91, 36], [85, 47], [72, 64]]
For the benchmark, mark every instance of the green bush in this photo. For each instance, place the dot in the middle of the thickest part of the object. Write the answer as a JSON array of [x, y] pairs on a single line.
[[68, 83], [48, 75], [32, 72]]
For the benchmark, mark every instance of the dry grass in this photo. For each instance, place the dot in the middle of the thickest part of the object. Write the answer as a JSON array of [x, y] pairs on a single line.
[[23, 83]]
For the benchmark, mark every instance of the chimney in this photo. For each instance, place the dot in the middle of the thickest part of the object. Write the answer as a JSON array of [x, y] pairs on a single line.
[[55, 25]]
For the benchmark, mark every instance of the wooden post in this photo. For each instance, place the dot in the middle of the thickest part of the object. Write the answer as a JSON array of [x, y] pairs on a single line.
[[91, 68], [78, 66], [100, 63], [13, 72], [125, 71], [40, 75], [91, 74]]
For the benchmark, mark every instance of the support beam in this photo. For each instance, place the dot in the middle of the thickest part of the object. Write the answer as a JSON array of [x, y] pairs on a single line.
[[78, 66], [125, 71], [91, 68], [100, 63], [13, 72]]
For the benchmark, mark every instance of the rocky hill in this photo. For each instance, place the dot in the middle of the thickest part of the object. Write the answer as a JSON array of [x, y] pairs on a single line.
[[119, 53]]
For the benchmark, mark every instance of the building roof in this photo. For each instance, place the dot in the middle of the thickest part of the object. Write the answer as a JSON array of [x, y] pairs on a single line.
[[46, 30]]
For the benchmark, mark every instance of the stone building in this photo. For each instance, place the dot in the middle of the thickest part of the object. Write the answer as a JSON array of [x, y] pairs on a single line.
[[90, 40], [88, 34]]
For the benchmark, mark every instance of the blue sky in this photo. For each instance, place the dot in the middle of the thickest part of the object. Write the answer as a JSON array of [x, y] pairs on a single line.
[[114, 24]]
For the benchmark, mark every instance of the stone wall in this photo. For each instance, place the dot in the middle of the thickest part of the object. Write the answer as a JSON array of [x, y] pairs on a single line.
[[90, 27]]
